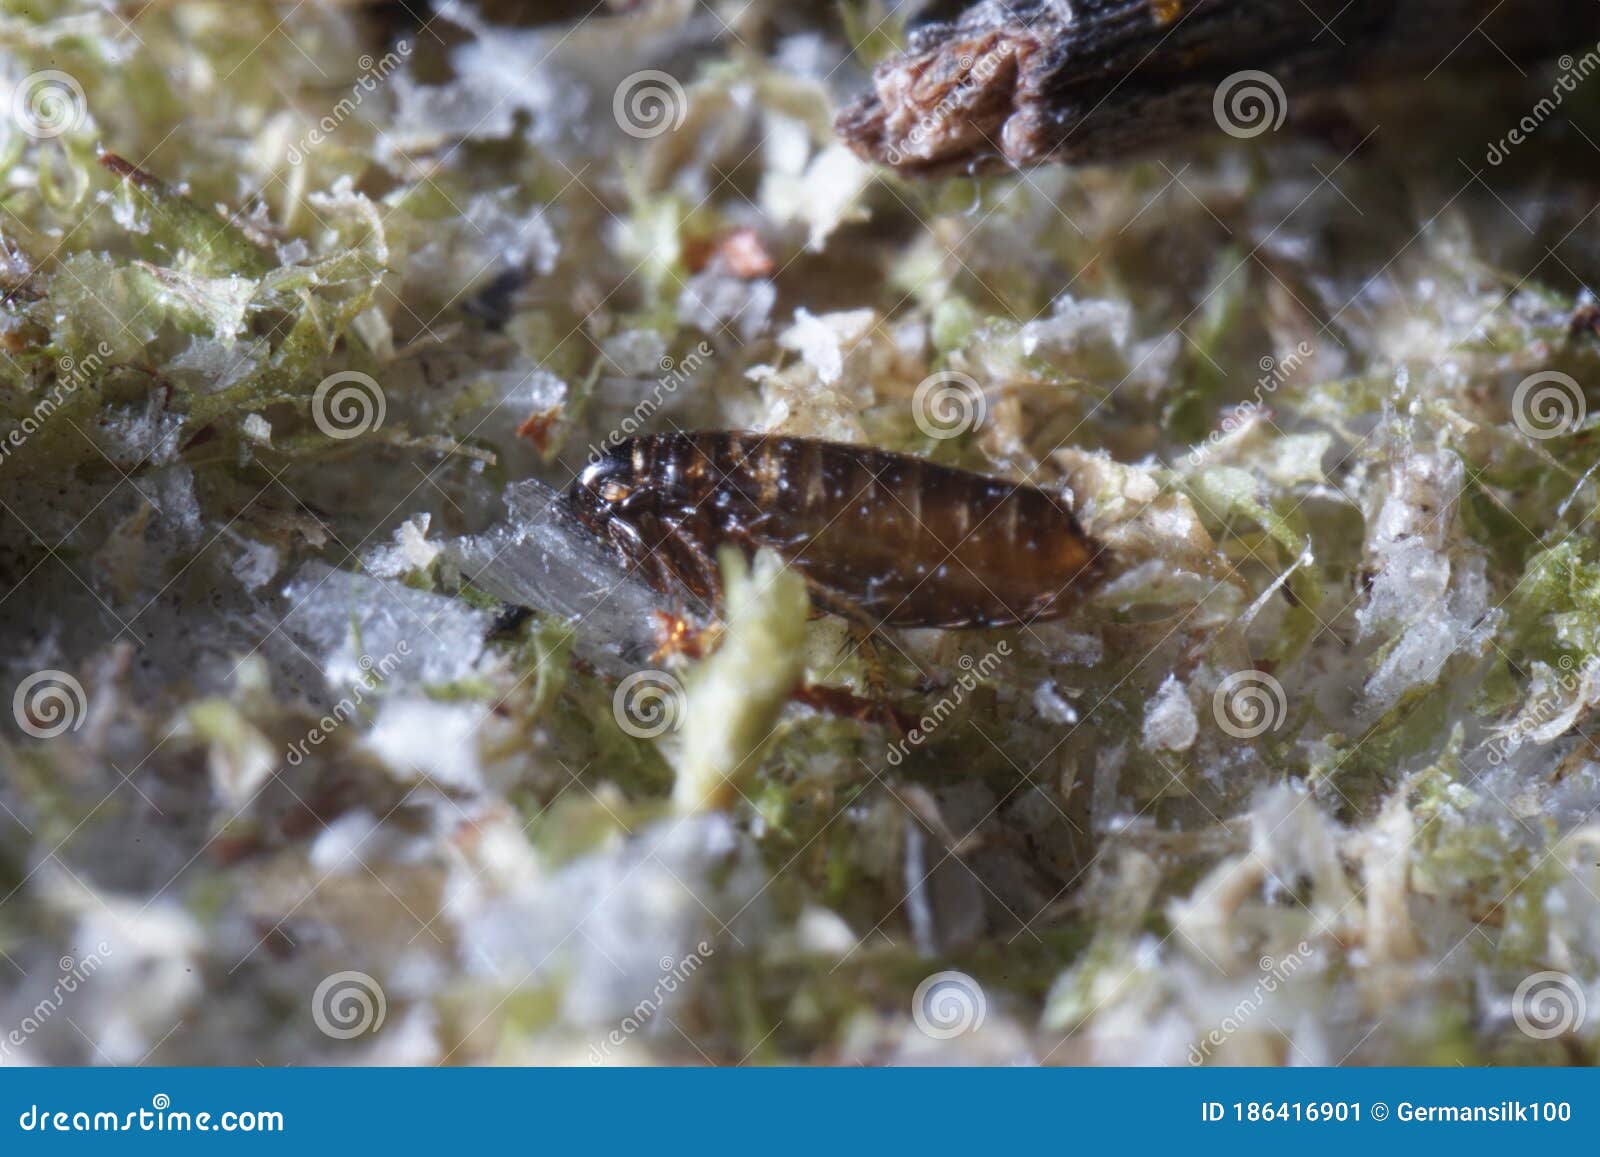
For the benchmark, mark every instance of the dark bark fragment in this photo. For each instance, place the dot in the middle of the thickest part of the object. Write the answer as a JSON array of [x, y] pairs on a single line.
[[1027, 82]]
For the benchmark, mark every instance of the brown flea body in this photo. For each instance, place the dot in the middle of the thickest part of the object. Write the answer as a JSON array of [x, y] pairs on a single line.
[[890, 538]]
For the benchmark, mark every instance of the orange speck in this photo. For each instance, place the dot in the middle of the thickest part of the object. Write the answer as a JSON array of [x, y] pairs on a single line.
[[738, 252], [677, 637], [537, 428]]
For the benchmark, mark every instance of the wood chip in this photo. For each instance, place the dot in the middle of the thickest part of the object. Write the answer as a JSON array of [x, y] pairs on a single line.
[[1029, 82]]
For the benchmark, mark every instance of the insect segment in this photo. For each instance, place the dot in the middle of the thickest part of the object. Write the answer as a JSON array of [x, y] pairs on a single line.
[[887, 538]]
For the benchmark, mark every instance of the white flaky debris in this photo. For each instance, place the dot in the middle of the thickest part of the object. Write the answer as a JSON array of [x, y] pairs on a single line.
[[1385, 850], [1170, 723], [1429, 598], [410, 552], [363, 630], [823, 342], [431, 743], [1080, 329], [711, 300], [543, 559], [1297, 841], [1557, 697], [220, 364], [822, 197], [822, 932], [256, 564], [145, 958], [493, 84], [641, 922], [1052, 705]]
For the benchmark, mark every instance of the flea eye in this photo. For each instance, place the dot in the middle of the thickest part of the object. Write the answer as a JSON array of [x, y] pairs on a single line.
[[615, 491]]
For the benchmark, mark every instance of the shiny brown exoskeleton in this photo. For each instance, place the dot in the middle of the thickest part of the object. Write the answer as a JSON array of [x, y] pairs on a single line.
[[887, 538]]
